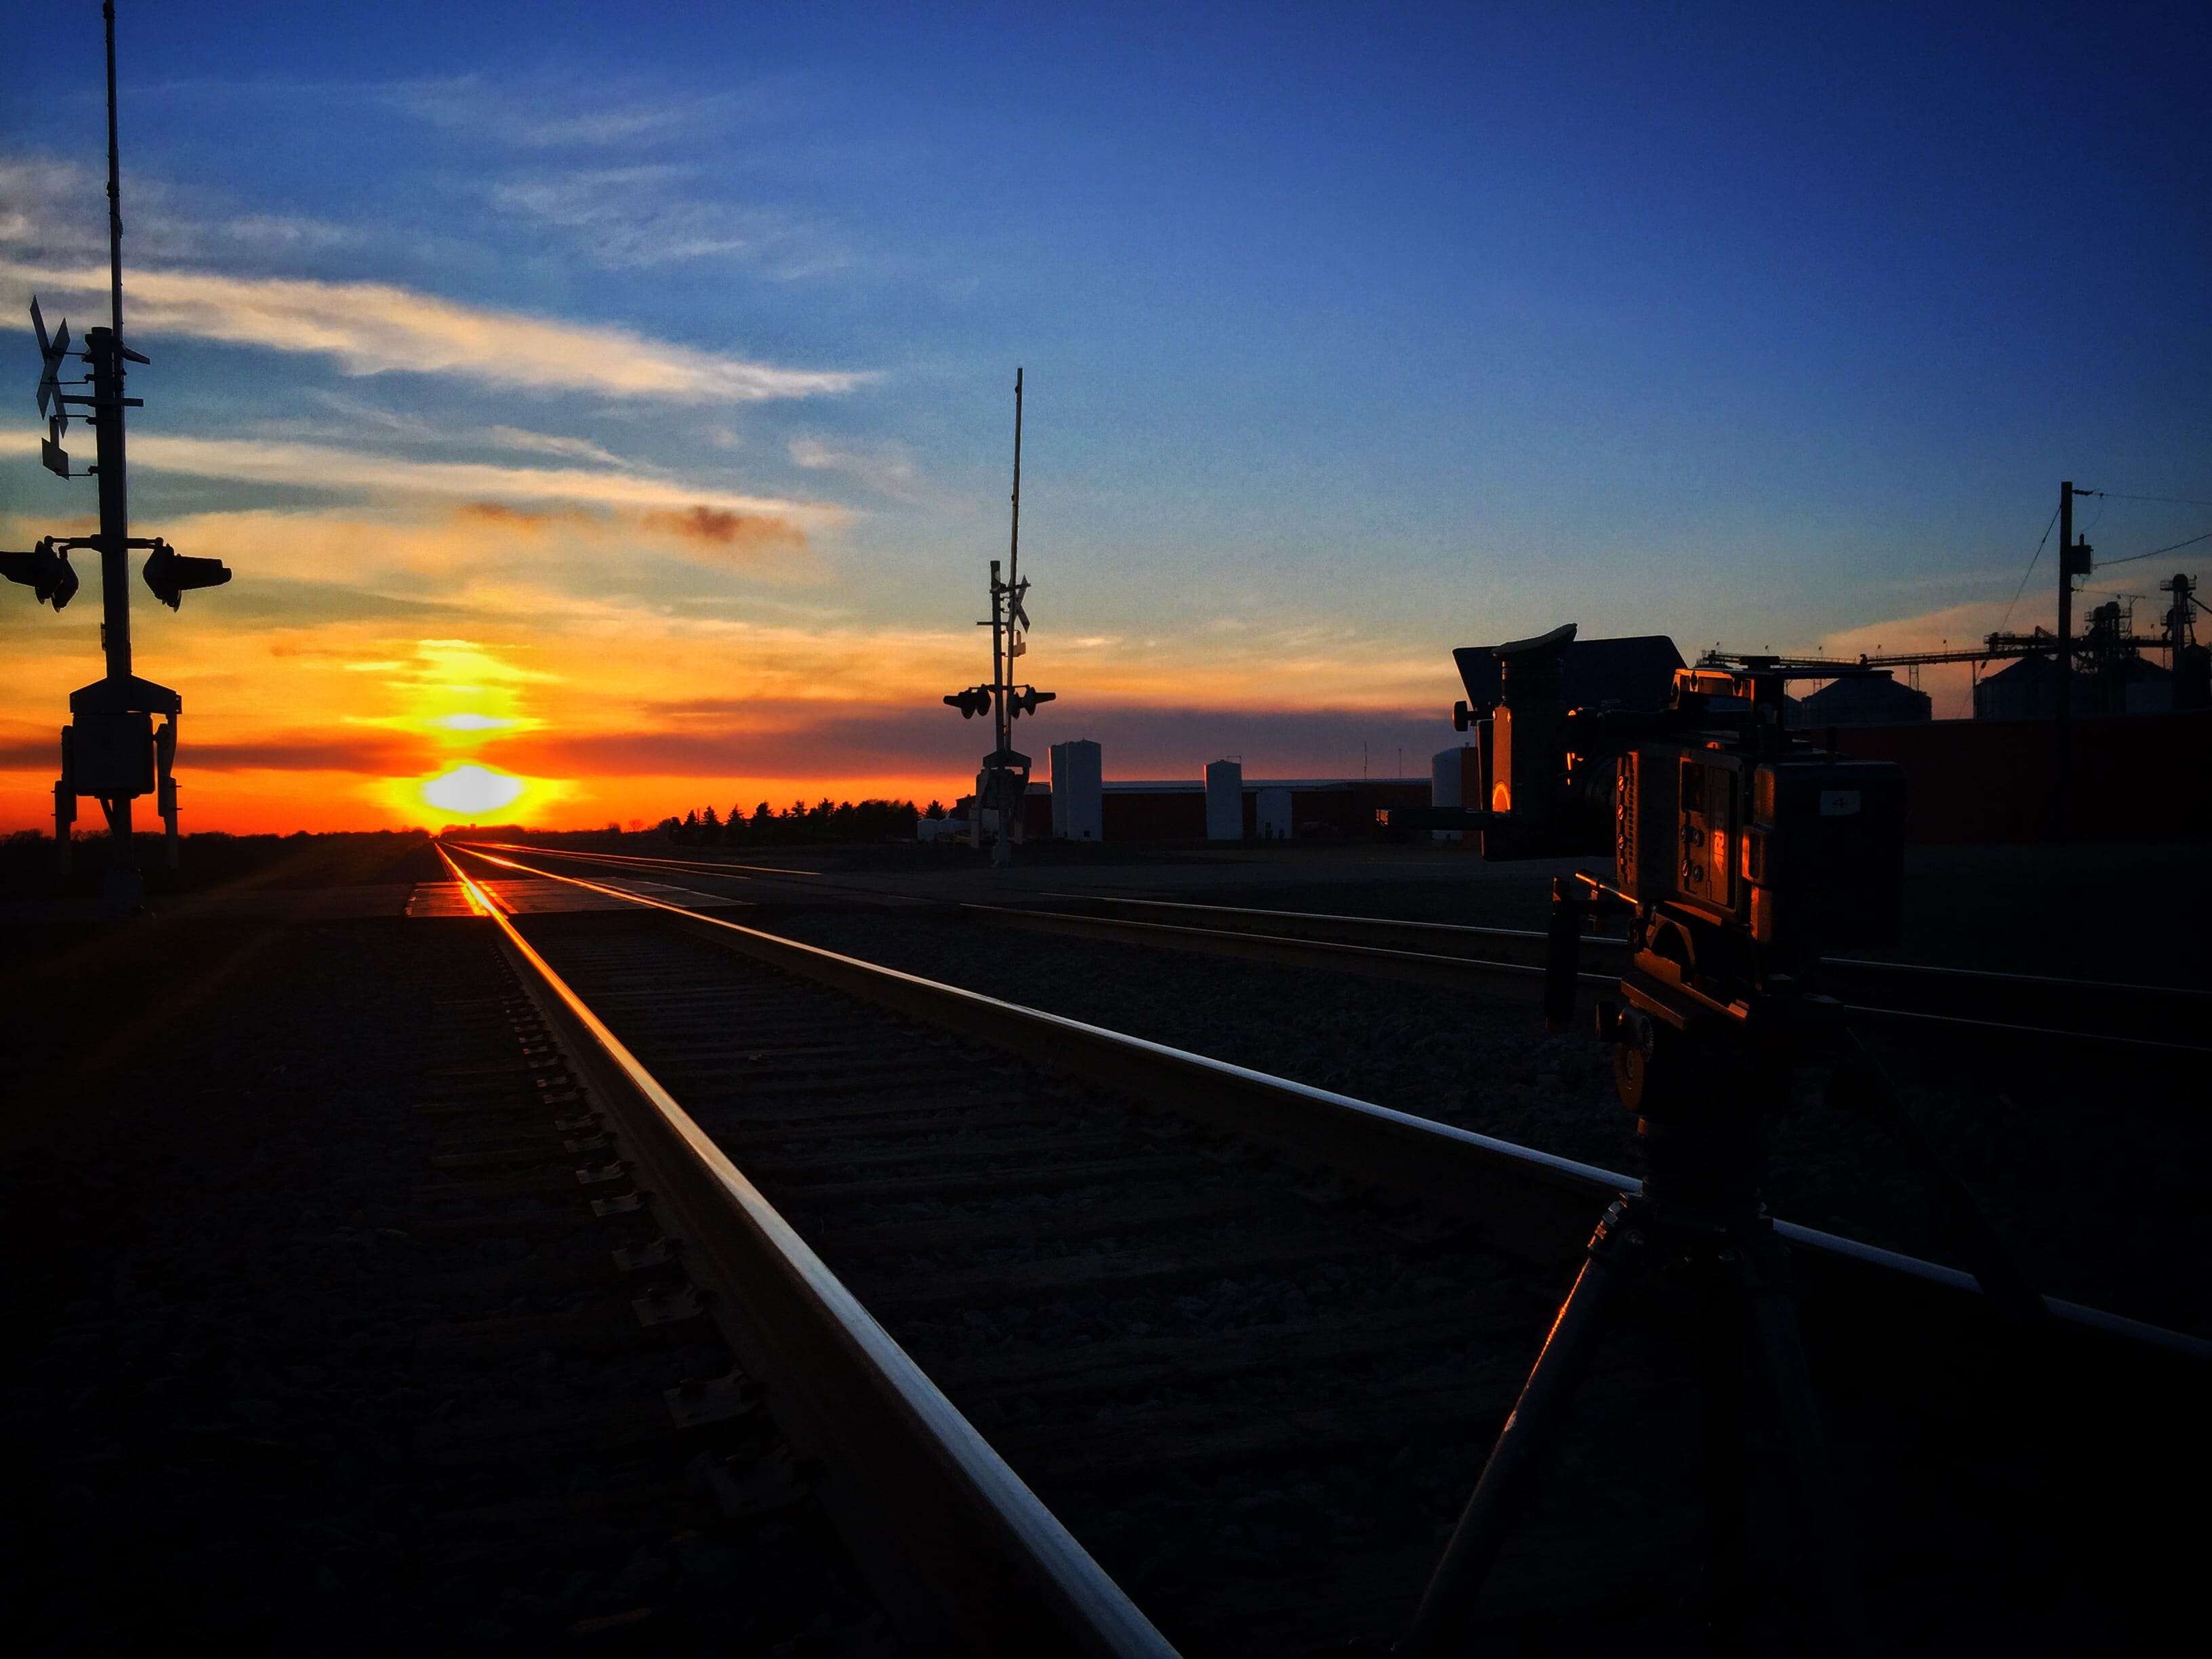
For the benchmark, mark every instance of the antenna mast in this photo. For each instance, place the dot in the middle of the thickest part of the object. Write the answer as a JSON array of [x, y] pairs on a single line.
[[1014, 542], [114, 185], [1002, 666]]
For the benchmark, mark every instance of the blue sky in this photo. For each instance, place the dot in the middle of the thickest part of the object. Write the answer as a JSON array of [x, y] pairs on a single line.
[[1350, 335]]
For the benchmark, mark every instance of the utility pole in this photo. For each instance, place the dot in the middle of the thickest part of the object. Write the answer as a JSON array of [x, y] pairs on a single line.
[[2075, 559], [2065, 600], [110, 751], [2063, 680]]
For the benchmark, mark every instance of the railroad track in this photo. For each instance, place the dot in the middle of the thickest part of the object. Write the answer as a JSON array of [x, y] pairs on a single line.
[[1034, 1283], [1504, 961], [1508, 963], [586, 1407]]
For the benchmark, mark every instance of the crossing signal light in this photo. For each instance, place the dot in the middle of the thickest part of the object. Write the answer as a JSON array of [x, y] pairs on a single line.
[[976, 700], [44, 571], [1025, 701], [171, 575]]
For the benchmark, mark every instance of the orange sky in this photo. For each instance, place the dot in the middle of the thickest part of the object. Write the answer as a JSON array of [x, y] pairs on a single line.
[[360, 658], [363, 655]]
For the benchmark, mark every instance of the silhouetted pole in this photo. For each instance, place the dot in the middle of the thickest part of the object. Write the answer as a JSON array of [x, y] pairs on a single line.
[[2062, 760], [106, 350], [999, 673], [2065, 599], [114, 185], [1002, 692]]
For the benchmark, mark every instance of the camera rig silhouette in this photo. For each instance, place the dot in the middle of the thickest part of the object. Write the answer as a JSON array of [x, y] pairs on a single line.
[[1740, 852]]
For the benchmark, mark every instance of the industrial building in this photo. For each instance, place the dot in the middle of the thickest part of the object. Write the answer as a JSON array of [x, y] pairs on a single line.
[[1862, 700], [1079, 803], [2132, 763]]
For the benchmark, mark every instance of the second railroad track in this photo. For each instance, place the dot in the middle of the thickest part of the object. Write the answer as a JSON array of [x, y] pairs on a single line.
[[1209, 1358]]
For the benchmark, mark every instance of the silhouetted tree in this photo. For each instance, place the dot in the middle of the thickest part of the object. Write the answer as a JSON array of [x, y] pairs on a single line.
[[826, 820]]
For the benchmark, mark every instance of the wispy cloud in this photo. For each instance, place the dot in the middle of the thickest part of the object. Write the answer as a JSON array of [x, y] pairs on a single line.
[[362, 420], [321, 466], [654, 215], [553, 443], [561, 112], [706, 518], [716, 527], [375, 328], [885, 467], [1952, 626], [52, 208]]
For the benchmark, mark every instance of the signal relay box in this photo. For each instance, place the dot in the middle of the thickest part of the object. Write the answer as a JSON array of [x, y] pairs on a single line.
[[112, 756]]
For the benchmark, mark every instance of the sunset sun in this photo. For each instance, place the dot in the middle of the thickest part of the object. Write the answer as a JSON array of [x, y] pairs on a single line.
[[471, 789]]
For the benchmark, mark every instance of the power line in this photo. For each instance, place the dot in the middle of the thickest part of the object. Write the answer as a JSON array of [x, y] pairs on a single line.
[[2030, 571], [2171, 501], [2107, 564]]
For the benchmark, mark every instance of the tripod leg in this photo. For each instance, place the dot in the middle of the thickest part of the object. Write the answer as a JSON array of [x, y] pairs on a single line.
[[1528, 1432], [2011, 1292], [1766, 1267], [1723, 1462]]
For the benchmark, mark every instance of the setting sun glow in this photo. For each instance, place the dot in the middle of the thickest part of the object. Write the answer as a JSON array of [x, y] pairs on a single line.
[[471, 789]]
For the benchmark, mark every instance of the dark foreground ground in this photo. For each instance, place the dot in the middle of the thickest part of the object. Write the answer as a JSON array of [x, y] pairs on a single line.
[[304, 1358], [212, 862], [252, 1385]]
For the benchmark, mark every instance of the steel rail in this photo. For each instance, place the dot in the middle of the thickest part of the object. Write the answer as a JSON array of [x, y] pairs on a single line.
[[1525, 980], [1444, 932], [1421, 952], [1514, 981], [940, 1516], [708, 866], [1531, 1203], [1388, 928]]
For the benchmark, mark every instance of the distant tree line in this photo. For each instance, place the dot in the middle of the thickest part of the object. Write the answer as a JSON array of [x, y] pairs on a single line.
[[799, 825]]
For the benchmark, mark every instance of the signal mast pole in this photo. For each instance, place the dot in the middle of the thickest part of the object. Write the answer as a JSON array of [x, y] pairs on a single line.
[[1014, 574], [107, 373], [1002, 786], [1002, 668], [110, 751]]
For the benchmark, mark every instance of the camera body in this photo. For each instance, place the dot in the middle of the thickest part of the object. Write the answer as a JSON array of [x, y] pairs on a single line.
[[1799, 848], [1741, 849]]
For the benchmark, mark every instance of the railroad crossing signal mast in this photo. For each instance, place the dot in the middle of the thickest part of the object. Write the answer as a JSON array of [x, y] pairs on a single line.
[[110, 749], [1003, 784]]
